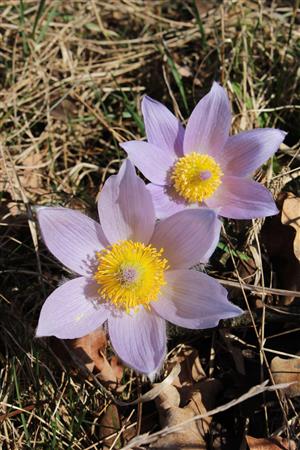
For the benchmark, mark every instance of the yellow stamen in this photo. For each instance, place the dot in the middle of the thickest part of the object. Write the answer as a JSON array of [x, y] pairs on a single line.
[[130, 274], [196, 177]]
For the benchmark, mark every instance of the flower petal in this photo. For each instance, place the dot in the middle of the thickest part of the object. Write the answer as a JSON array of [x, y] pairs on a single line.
[[72, 237], [72, 310], [241, 198], [154, 162], [187, 236], [125, 207], [163, 129], [247, 151], [208, 127], [166, 202], [193, 299], [139, 339]]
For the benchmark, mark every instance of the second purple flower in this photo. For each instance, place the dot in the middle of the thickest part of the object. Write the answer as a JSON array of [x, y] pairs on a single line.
[[203, 165]]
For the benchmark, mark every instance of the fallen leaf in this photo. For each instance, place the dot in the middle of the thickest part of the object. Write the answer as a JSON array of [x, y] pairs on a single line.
[[190, 438], [168, 398], [29, 178], [191, 376], [279, 240], [190, 371], [287, 371], [290, 215], [89, 348], [190, 394], [117, 367], [110, 423], [89, 351], [274, 443], [65, 110]]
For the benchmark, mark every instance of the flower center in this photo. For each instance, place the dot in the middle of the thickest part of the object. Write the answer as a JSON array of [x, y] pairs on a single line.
[[130, 274], [196, 177]]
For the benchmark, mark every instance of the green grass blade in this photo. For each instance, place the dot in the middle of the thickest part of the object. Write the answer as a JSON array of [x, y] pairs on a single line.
[[200, 25], [38, 15], [27, 435], [44, 29], [26, 49]]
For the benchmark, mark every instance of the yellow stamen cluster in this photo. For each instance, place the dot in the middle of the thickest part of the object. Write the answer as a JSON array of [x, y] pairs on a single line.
[[130, 274], [196, 177]]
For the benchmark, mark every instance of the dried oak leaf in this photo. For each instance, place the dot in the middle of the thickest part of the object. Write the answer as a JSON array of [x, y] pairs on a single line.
[[109, 424], [29, 177], [89, 351], [191, 437], [290, 215], [191, 371], [64, 110], [287, 371], [191, 393], [281, 240], [274, 443]]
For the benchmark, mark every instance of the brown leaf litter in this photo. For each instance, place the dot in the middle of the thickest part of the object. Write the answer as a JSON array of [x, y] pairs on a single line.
[[273, 443], [281, 236], [90, 352], [287, 371], [290, 215], [191, 393]]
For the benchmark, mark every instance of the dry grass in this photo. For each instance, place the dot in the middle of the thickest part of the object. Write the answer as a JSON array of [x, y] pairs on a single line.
[[72, 75]]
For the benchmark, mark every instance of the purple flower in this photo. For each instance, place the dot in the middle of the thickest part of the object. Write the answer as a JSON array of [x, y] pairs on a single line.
[[132, 272], [203, 165]]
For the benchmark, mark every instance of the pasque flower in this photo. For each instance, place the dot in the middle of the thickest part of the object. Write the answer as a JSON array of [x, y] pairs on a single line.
[[203, 165], [133, 272]]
